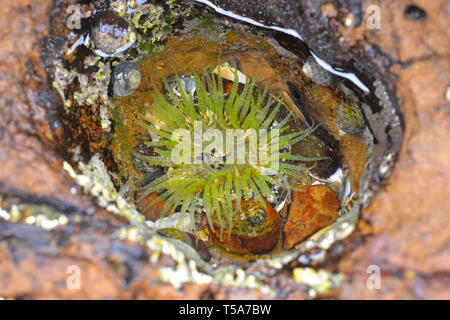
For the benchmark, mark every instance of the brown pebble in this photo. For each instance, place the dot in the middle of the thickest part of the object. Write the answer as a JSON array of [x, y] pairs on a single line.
[[310, 211]]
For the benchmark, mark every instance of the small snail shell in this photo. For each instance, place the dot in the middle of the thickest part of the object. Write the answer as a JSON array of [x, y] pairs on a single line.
[[111, 33], [126, 78]]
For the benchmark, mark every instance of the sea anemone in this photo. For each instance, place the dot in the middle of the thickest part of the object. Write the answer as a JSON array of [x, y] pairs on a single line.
[[202, 172]]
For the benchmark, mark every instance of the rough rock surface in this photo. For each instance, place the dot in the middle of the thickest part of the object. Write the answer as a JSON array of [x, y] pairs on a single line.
[[403, 231]]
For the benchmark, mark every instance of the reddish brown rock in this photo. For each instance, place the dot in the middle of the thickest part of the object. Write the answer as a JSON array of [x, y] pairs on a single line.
[[310, 211], [28, 162]]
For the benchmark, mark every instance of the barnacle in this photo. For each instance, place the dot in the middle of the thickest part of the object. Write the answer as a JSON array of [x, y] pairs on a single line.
[[213, 181]]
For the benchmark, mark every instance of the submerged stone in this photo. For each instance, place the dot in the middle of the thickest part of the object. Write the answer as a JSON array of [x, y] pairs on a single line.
[[311, 209]]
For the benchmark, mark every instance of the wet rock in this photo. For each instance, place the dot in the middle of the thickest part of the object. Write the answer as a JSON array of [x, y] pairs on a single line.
[[111, 34], [311, 210]]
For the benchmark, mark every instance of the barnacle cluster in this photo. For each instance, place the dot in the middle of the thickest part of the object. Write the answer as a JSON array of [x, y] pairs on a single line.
[[213, 179]]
